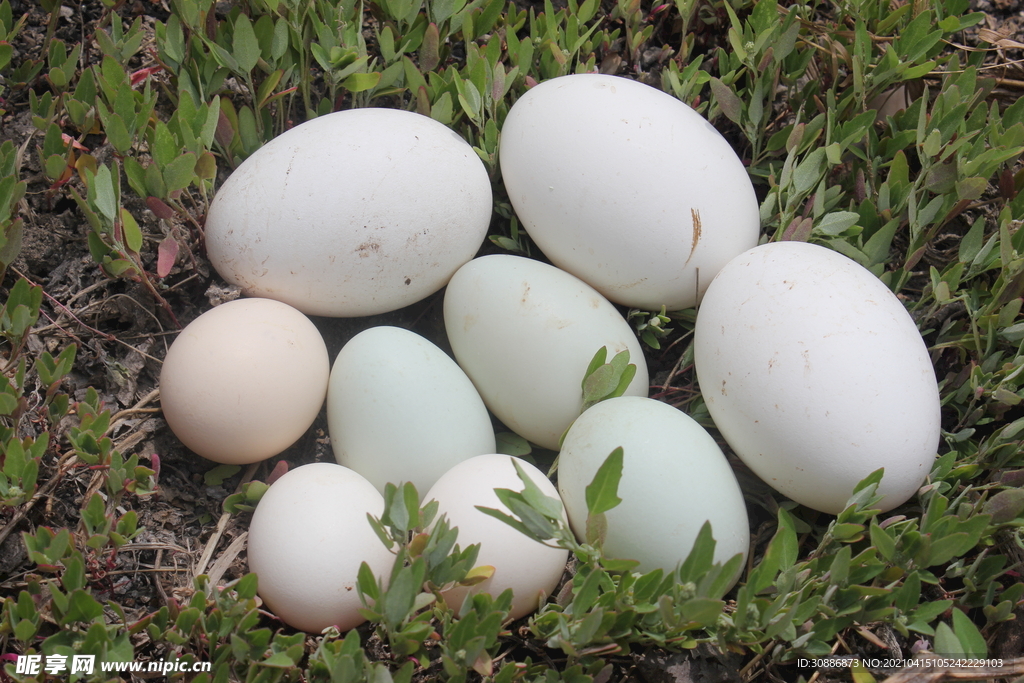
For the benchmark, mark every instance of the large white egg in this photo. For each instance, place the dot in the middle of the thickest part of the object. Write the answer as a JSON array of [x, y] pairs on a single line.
[[530, 568], [816, 375], [399, 409], [627, 188], [243, 381], [308, 536], [525, 333], [674, 479], [353, 213]]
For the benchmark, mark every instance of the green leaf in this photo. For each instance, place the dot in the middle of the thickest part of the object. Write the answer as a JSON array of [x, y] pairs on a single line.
[[540, 527], [788, 543], [245, 48], [512, 444], [882, 540], [132, 232], [970, 188], [136, 175], [701, 555], [442, 110], [279, 660], [82, 607], [908, 595], [807, 174], [860, 673], [781, 554], [704, 611], [599, 384], [247, 587], [969, 636], [946, 642], [401, 596], [180, 173], [596, 362], [469, 98], [607, 380], [218, 474], [602, 492], [367, 582], [839, 571], [946, 548], [55, 167], [106, 201], [588, 593], [729, 102], [596, 529], [532, 494], [837, 222], [1005, 506], [362, 81], [507, 519]]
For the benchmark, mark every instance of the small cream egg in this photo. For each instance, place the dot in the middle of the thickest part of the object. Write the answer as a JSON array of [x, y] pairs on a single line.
[[399, 409], [627, 188], [243, 381], [674, 479], [308, 536], [525, 333], [817, 376], [531, 569], [354, 213]]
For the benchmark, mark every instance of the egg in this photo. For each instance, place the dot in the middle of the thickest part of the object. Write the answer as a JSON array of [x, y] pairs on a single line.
[[525, 333], [674, 479], [530, 568], [816, 375], [354, 213], [399, 409], [243, 381], [627, 188], [308, 536]]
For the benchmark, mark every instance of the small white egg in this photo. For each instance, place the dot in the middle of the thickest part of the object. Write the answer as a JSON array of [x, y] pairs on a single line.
[[674, 479], [530, 568], [817, 376], [243, 381], [354, 213], [399, 409], [525, 333], [627, 188], [308, 536]]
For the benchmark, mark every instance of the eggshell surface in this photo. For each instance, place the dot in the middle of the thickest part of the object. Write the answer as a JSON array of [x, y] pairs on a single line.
[[354, 213], [399, 409], [243, 381], [525, 333], [531, 569], [816, 375], [627, 188], [307, 538], [674, 479]]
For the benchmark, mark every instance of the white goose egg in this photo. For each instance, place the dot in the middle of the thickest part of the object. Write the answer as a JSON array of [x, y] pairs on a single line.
[[627, 188], [816, 375], [350, 214], [674, 479], [243, 381], [530, 568], [525, 333], [399, 409], [308, 536]]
